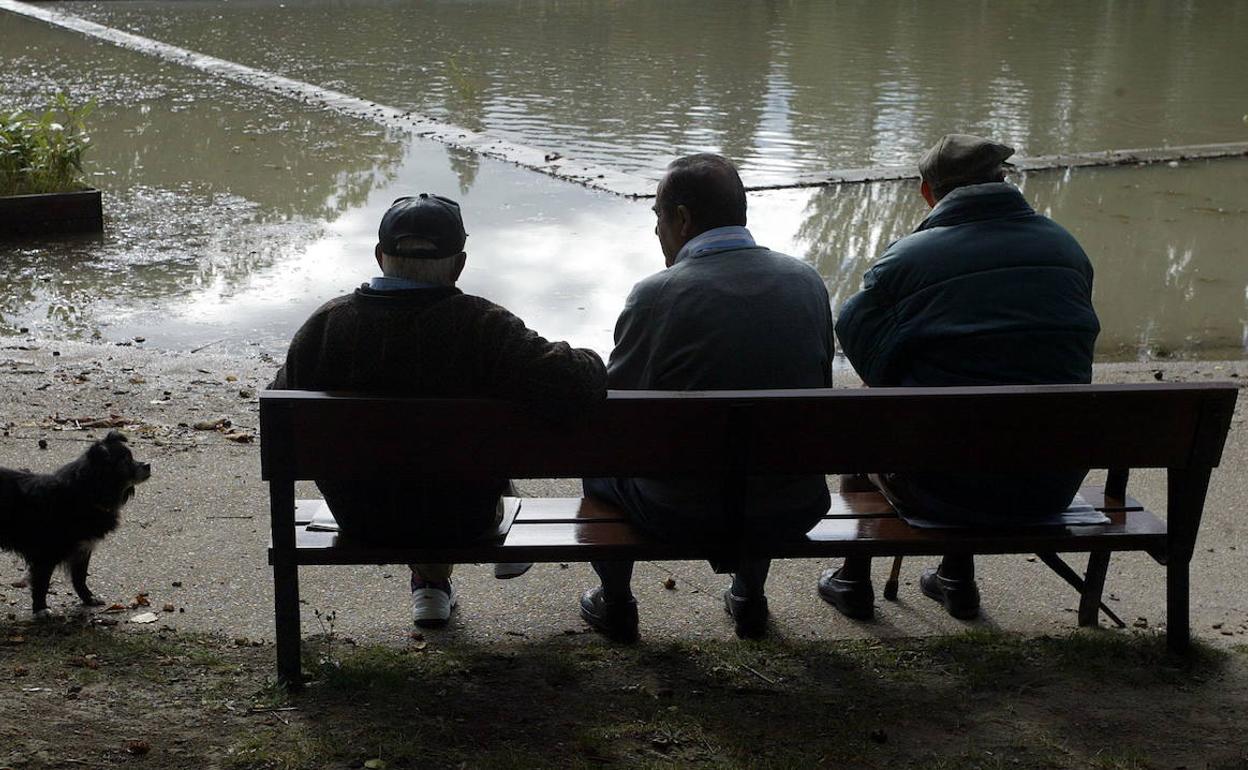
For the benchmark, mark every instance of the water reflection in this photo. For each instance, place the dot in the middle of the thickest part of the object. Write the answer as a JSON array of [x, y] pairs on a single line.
[[233, 213], [1166, 244], [785, 87], [204, 184]]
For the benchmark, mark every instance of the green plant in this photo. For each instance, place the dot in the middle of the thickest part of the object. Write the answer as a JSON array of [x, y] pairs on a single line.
[[43, 153]]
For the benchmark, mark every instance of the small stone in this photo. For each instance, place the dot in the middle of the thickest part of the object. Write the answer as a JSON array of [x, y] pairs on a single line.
[[43, 443], [670, 584]]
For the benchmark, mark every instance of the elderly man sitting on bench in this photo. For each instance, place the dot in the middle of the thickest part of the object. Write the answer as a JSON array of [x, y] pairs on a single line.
[[411, 332], [985, 291], [726, 314]]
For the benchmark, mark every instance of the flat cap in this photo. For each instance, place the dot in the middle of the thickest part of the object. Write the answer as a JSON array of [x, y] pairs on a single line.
[[961, 159]]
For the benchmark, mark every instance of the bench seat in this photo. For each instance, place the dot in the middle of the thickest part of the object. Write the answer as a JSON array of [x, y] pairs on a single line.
[[548, 529]]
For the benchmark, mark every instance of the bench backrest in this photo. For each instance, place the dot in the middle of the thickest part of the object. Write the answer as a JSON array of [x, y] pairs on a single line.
[[313, 435]]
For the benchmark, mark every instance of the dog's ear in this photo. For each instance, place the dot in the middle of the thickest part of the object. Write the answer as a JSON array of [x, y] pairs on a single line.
[[97, 451], [116, 435]]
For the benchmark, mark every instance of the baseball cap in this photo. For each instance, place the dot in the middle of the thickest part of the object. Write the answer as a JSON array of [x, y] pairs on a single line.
[[427, 217], [959, 159]]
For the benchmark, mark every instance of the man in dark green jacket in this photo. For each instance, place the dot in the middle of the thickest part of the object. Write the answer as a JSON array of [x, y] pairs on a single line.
[[985, 291]]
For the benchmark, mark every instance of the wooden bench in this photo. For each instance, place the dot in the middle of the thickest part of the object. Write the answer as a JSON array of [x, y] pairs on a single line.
[[729, 434]]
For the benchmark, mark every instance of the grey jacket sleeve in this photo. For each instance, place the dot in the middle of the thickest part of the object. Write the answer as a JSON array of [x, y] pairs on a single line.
[[630, 366]]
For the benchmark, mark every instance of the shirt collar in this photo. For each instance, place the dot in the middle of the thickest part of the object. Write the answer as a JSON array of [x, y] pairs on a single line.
[[392, 283], [716, 239]]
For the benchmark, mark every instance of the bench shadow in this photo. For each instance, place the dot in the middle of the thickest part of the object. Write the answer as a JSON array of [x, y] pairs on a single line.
[[1100, 699]]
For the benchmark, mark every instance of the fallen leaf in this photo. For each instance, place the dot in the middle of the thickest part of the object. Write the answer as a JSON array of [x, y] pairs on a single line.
[[217, 424], [138, 748], [375, 764], [114, 608], [168, 608], [144, 617], [241, 437]]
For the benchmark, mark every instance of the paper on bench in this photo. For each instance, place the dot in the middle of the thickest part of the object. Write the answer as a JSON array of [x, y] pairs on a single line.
[[322, 519], [1079, 513]]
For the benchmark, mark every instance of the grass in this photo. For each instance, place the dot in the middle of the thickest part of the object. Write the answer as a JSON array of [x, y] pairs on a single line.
[[1104, 701], [42, 153]]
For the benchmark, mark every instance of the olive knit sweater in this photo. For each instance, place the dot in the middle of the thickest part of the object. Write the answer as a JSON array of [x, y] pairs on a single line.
[[436, 342]]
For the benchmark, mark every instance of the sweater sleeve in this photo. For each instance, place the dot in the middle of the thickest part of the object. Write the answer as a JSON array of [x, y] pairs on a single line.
[[526, 367]]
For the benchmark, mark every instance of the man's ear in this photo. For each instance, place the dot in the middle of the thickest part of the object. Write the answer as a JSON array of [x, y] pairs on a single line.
[[460, 261], [377, 254], [925, 190], [684, 218]]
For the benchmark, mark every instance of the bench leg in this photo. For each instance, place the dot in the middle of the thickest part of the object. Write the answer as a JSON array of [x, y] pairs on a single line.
[[1178, 629], [1093, 587], [286, 615]]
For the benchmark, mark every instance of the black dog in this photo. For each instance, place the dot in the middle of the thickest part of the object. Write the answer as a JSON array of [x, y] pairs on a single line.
[[58, 518]]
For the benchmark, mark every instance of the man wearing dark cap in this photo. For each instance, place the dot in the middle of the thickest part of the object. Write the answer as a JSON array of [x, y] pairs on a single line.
[[411, 332], [985, 291], [726, 314]]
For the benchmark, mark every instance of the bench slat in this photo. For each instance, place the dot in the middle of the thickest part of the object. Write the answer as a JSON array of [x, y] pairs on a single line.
[[859, 523]]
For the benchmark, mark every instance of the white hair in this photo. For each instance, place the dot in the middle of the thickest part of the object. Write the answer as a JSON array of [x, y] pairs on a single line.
[[439, 271]]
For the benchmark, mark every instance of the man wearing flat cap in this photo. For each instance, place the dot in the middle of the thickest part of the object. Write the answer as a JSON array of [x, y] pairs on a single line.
[[985, 291], [411, 332]]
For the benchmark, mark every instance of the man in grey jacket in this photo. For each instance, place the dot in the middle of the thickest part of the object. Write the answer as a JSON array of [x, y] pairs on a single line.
[[985, 291], [726, 314]]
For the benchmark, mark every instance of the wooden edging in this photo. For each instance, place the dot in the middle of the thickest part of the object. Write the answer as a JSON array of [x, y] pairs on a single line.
[[81, 211]]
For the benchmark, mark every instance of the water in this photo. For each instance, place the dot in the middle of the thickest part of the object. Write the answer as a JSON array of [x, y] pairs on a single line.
[[232, 213]]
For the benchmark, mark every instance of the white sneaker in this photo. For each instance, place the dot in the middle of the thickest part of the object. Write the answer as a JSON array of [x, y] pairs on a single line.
[[511, 569], [432, 604]]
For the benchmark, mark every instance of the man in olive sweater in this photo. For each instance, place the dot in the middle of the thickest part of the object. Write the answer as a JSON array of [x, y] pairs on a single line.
[[411, 332]]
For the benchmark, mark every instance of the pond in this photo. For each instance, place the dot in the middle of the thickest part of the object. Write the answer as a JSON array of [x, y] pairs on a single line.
[[233, 211]]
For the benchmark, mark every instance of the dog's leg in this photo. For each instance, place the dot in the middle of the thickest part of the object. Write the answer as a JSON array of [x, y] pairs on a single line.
[[40, 577], [78, 564]]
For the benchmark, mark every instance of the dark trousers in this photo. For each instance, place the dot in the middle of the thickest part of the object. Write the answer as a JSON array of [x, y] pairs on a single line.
[[749, 576]]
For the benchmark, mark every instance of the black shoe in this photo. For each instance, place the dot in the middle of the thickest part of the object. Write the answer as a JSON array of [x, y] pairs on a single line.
[[615, 620], [749, 615], [852, 598], [959, 596]]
